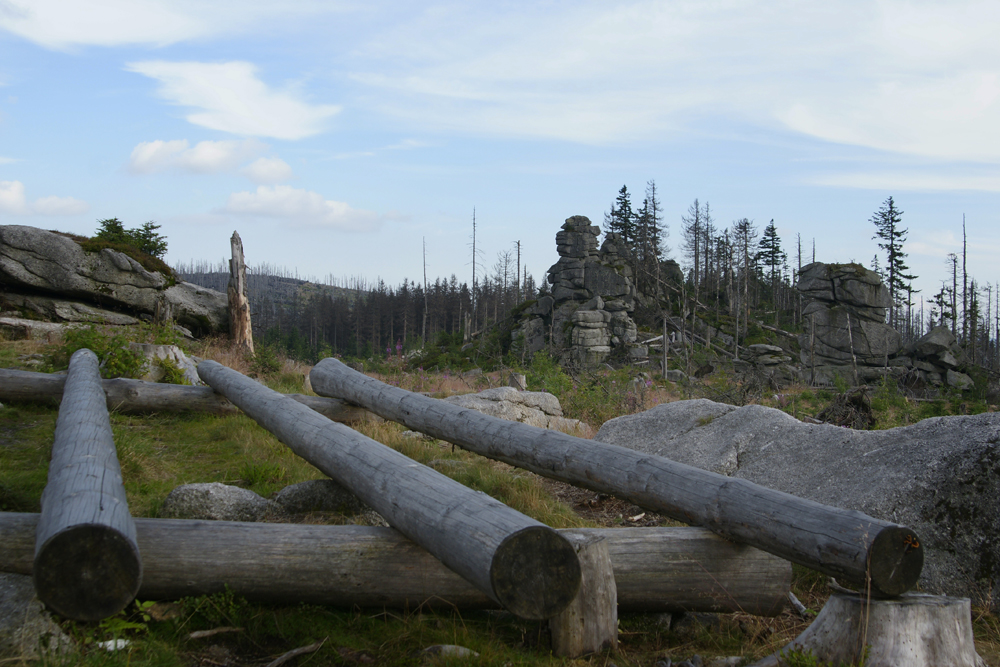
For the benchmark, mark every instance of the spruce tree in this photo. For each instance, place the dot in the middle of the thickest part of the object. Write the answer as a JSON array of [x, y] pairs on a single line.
[[888, 224]]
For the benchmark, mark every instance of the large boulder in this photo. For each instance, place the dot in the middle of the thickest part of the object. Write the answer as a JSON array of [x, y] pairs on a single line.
[[214, 501], [535, 408], [35, 261], [941, 476]]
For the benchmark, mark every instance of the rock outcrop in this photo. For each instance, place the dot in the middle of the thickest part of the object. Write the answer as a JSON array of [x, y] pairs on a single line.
[[27, 630], [535, 408], [51, 274], [940, 476], [587, 313]]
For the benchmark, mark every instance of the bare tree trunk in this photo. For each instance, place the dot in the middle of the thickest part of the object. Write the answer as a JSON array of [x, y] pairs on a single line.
[[240, 329]]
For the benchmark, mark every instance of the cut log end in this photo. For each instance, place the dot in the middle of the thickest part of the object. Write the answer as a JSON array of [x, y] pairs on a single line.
[[535, 573], [896, 558], [87, 572]]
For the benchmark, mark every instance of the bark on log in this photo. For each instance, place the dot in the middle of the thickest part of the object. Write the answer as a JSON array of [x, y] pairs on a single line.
[[845, 544], [86, 564], [916, 630], [239, 306], [523, 564], [590, 623], [137, 396], [655, 569]]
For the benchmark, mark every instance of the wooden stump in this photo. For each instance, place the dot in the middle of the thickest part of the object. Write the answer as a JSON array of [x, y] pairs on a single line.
[[239, 306], [590, 623], [86, 564], [915, 630]]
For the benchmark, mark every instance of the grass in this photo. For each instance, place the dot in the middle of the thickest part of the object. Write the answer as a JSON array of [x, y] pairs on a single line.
[[159, 452]]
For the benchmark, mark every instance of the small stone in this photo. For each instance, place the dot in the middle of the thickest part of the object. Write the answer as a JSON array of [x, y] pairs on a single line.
[[449, 651]]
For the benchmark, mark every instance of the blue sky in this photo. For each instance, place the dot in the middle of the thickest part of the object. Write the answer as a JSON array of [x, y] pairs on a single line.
[[335, 136]]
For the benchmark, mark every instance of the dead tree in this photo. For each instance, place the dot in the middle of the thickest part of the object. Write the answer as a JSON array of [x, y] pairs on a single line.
[[86, 564], [845, 544], [239, 306], [524, 565]]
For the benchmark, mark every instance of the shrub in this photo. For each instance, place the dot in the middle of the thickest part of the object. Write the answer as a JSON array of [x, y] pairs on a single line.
[[117, 359]]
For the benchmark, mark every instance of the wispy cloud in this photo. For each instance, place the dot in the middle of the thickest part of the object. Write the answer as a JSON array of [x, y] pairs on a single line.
[[14, 201], [205, 157], [7, 160], [231, 98], [926, 181], [301, 208]]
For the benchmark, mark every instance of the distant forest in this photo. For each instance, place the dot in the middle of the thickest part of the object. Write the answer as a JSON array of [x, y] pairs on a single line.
[[737, 278]]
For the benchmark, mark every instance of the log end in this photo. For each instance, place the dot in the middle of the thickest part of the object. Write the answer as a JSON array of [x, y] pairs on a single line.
[[87, 572], [535, 573], [895, 558]]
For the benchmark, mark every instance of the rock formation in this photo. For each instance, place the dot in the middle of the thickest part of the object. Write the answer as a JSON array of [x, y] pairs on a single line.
[[587, 313], [940, 477], [846, 330], [52, 275], [535, 408]]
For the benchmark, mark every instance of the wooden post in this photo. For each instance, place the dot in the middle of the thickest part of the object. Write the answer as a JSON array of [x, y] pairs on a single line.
[[86, 564], [655, 569], [240, 329], [666, 347], [524, 565], [137, 396], [845, 544], [916, 630], [590, 623]]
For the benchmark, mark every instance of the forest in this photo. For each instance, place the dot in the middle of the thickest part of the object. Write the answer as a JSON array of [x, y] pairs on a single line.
[[734, 277]]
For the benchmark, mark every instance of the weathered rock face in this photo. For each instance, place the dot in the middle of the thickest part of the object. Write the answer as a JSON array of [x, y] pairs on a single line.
[[592, 294], [217, 502], [846, 316], [940, 476], [936, 357], [27, 631], [36, 263], [535, 408]]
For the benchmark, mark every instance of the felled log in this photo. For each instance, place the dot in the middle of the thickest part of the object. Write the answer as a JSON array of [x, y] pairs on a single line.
[[521, 563], [655, 569], [915, 630], [86, 562], [136, 396], [845, 544]]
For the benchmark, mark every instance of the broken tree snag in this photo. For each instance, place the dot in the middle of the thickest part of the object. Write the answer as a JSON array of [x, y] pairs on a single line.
[[915, 630], [86, 564], [524, 565], [239, 305], [655, 569], [842, 543], [137, 396], [590, 623]]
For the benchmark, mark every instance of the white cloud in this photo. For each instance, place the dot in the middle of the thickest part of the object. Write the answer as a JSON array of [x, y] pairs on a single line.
[[913, 77], [230, 98], [62, 24], [300, 207], [206, 157], [910, 181], [14, 201], [267, 170], [7, 160]]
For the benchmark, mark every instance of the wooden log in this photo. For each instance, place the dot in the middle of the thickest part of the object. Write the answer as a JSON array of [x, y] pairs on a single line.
[[655, 569], [524, 565], [86, 564], [137, 396], [590, 623], [845, 544], [916, 630], [240, 329]]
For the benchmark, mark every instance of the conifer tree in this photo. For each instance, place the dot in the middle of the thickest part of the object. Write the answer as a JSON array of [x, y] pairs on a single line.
[[888, 224]]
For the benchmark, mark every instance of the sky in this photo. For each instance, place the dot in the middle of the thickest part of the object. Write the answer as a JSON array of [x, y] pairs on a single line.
[[347, 139]]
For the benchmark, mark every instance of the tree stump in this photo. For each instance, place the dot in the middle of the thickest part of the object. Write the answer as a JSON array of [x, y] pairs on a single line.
[[239, 305], [590, 622], [916, 630]]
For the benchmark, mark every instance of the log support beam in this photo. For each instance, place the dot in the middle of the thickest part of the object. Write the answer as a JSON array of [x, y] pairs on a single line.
[[86, 562], [845, 544], [655, 569]]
